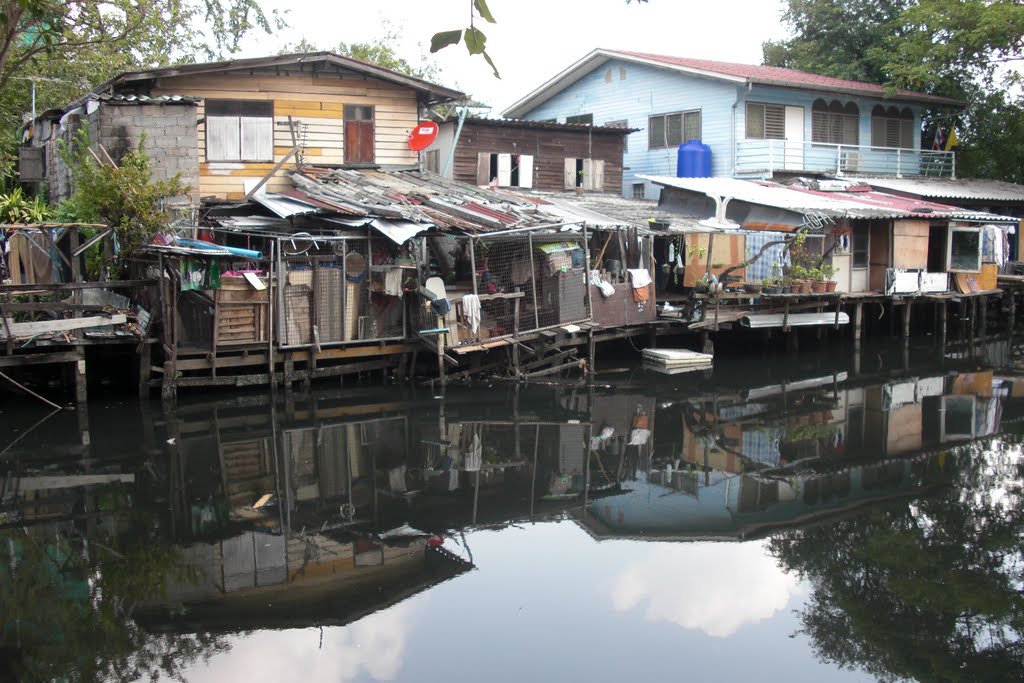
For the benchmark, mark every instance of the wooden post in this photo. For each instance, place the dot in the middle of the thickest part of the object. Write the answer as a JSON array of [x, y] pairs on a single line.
[[592, 352], [145, 367], [440, 357], [1011, 292], [983, 317], [858, 321], [943, 324], [906, 321], [515, 337], [81, 389]]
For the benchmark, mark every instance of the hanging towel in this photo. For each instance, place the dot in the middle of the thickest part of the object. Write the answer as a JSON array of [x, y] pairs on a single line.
[[641, 284], [393, 282], [474, 456], [471, 309]]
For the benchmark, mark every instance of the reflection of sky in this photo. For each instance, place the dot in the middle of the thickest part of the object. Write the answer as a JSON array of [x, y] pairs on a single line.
[[371, 649], [548, 603], [673, 583]]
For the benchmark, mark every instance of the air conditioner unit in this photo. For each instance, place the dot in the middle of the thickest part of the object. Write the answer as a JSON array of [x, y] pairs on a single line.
[[850, 162]]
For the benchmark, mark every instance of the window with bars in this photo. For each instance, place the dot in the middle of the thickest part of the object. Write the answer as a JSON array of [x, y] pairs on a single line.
[[835, 123], [765, 121], [892, 127], [239, 130], [672, 130]]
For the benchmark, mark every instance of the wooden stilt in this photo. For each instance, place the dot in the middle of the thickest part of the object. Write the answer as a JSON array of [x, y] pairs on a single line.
[[906, 321], [145, 367], [858, 322]]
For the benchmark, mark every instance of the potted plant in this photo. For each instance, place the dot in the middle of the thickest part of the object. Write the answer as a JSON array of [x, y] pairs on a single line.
[[752, 287], [817, 280], [828, 272]]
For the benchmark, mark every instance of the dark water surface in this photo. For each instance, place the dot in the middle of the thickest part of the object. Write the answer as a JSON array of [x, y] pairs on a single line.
[[819, 519]]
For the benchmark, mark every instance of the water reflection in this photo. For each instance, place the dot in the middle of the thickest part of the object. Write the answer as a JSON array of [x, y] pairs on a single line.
[[139, 544]]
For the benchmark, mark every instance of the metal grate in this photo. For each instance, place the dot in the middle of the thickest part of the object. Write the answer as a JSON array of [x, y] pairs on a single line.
[[340, 291]]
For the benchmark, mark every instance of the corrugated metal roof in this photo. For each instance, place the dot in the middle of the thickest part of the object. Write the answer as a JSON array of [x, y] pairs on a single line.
[[952, 188], [853, 202], [284, 206], [145, 99], [545, 125]]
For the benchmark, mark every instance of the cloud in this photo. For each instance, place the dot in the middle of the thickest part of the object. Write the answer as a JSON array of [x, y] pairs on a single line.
[[716, 588], [373, 646]]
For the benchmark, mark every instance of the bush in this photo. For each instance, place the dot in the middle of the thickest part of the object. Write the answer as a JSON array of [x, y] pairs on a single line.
[[124, 196]]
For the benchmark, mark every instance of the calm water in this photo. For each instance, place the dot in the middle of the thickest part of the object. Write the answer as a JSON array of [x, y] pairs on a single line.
[[832, 519]]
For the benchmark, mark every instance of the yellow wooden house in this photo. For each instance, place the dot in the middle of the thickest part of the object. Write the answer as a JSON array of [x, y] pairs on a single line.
[[225, 125]]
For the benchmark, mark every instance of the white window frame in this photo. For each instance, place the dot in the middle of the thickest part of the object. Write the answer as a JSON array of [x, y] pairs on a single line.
[[506, 164], [238, 138], [949, 248]]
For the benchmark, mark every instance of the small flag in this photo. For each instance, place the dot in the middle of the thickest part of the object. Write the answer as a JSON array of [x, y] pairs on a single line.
[[952, 141], [939, 139]]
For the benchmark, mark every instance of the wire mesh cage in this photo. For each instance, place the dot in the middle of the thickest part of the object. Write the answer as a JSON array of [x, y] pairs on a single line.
[[503, 284], [340, 290]]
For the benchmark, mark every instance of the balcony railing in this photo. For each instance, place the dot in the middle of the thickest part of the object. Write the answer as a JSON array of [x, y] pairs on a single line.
[[756, 157]]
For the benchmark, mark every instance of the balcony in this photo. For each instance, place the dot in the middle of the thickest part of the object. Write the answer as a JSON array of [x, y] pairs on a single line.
[[767, 157]]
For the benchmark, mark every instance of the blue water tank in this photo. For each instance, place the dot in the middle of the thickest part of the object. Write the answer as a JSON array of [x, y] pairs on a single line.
[[694, 160]]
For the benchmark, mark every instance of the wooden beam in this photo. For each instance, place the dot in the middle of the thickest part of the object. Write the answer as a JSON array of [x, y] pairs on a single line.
[[270, 174], [59, 286], [43, 326], [39, 358]]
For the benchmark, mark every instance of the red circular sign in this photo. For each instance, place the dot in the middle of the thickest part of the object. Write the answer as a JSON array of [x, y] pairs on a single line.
[[422, 136]]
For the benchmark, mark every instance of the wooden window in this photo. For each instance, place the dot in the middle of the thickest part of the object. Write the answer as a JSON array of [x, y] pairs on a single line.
[[835, 123], [638, 191], [586, 174], [239, 130], [504, 170], [621, 123], [671, 130], [432, 161], [765, 121], [587, 119], [860, 242], [963, 250], [359, 134], [892, 127]]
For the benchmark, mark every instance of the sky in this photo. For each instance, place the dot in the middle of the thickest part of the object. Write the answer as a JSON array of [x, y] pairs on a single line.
[[533, 40]]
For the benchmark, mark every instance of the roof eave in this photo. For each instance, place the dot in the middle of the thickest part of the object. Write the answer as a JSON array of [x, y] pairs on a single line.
[[556, 84], [854, 92]]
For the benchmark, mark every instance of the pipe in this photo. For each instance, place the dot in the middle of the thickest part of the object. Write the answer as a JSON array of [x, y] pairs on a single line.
[[235, 251]]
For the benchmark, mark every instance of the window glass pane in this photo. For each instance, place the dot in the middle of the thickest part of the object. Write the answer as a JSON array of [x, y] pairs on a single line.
[[859, 241], [674, 129], [588, 119], [239, 108], [691, 126], [755, 121], [965, 250], [355, 112], [656, 132]]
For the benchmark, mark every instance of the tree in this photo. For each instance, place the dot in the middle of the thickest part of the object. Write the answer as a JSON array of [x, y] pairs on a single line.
[[72, 44], [383, 51], [952, 48]]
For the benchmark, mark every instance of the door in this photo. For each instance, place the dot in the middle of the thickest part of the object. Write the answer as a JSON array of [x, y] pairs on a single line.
[[794, 139], [359, 132], [880, 250], [860, 246]]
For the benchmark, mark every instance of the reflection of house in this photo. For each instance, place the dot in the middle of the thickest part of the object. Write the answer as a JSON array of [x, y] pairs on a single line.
[[756, 120]]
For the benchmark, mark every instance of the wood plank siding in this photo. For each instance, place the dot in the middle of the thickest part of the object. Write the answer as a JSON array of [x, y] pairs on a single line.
[[314, 103], [549, 149]]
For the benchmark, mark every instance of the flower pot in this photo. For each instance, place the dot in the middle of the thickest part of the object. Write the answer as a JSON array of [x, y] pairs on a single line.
[[752, 288], [830, 285], [805, 287], [795, 288], [777, 289], [818, 286]]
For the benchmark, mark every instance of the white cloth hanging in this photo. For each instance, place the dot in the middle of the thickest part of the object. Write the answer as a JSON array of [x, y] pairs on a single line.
[[471, 310], [640, 277], [393, 282]]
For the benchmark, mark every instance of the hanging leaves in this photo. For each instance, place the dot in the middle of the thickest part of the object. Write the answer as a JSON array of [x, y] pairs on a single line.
[[475, 39]]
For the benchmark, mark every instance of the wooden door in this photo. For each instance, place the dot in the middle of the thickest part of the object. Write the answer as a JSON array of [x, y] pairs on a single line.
[[880, 254]]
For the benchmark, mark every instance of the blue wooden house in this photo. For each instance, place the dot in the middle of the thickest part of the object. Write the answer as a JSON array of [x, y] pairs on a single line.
[[758, 121]]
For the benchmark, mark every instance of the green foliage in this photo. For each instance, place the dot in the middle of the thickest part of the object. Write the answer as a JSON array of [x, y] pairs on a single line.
[[17, 207], [953, 48], [123, 196], [66, 46]]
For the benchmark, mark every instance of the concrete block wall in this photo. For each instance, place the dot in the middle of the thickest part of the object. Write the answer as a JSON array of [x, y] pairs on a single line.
[[170, 139]]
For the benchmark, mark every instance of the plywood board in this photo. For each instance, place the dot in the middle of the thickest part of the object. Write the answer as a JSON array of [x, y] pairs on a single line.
[[910, 245], [725, 249]]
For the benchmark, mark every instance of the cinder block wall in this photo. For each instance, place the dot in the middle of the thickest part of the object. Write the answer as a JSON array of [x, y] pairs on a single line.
[[171, 142]]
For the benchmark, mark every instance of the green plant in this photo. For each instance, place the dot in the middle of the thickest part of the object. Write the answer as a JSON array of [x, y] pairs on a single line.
[[16, 207], [124, 196], [798, 272], [828, 271]]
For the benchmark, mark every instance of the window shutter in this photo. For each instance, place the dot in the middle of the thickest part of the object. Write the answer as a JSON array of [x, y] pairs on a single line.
[[570, 174], [483, 168], [907, 133], [525, 170], [774, 122], [656, 132], [222, 139], [257, 138], [504, 170], [691, 127], [588, 174], [597, 171]]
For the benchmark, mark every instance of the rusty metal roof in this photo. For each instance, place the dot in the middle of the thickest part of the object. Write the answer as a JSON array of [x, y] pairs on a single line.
[[951, 188]]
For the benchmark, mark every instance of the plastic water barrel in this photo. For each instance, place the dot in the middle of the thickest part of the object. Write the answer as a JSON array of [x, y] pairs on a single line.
[[694, 160]]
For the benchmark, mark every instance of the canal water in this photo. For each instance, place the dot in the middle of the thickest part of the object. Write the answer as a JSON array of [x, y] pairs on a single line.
[[829, 518]]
